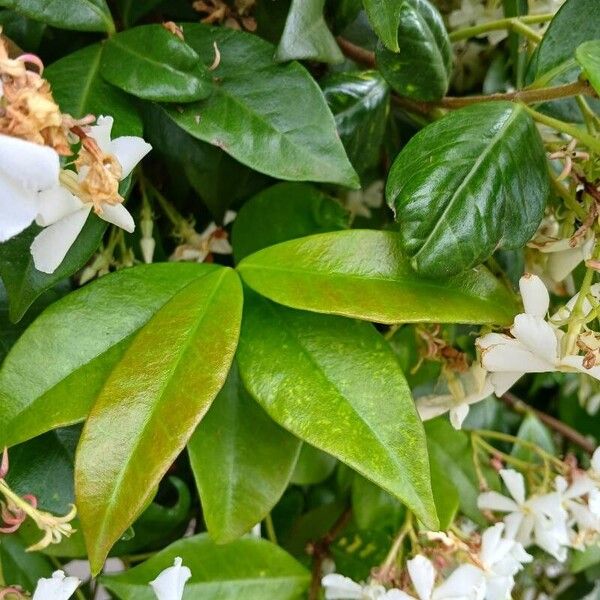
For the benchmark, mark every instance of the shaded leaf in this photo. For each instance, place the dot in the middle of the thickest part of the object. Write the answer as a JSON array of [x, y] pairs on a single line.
[[338, 386], [363, 274], [588, 56], [240, 475], [294, 209], [154, 64], [313, 466], [19, 567], [133, 10], [360, 104], [385, 19], [306, 35], [151, 403], [252, 569], [254, 113], [534, 431], [81, 15], [373, 507], [422, 66], [467, 184]]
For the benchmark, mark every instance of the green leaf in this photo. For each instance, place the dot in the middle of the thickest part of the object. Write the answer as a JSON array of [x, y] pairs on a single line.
[[219, 179], [152, 63], [363, 274], [22, 31], [467, 184], [254, 113], [24, 283], [18, 567], [385, 19], [240, 475], [553, 62], [252, 569], [360, 103], [80, 90], [81, 15], [339, 387], [588, 56], [445, 493], [306, 35], [151, 403], [534, 431], [132, 11], [451, 454], [313, 466], [422, 67], [374, 508], [294, 209], [86, 337]]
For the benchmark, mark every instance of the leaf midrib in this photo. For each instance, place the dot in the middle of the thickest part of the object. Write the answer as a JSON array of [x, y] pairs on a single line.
[[441, 221]]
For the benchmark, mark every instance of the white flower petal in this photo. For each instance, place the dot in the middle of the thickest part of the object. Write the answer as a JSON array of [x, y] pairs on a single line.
[[514, 525], [33, 166], [576, 362], [513, 357], [496, 501], [465, 582], [101, 132], [596, 460], [395, 594], [220, 246], [458, 414], [499, 588], [503, 381], [18, 207], [515, 484], [536, 299], [561, 264], [338, 587], [51, 245], [170, 583], [59, 587], [432, 406], [422, 575], [118, 215], [55, 204], [129, 150], [490, 542], [536, 335]]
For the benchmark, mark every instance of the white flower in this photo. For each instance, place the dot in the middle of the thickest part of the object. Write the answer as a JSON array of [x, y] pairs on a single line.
[[26, 168], [477, 12], [170, 582], [360, 202], [63, 214], [59, 587], [535, 344], [501, 558], [338, 587], [465, 389], [465, 583], [539, 519]]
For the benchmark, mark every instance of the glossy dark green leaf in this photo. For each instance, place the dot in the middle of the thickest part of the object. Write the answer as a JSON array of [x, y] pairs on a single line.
[[553, 62], [360, 104], [363, 274], [313, 466], [385, 18], [374, 508], [80, 90], [24, 283], [451, 453], [467, 184], [588, 56], [294, 209], [357, 553], [251, 569], [422, 67], [254, 113], [339, 387], [240, 475], [132, 11], [219, 179], [81, 15], [152, 63], [24, 32], [56, 370], [150, 404], [306, 35], [18, 567]]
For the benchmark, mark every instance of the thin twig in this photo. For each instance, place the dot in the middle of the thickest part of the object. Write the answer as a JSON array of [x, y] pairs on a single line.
[[367, 58], [567, 432], [320, 551]]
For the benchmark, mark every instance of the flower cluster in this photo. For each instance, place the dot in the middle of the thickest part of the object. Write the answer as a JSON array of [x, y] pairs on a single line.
[[35, 137], [168, 585]]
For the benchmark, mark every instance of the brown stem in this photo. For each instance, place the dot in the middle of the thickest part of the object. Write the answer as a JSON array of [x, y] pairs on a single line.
[[567, 432], [367, 59], [320, 551]]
